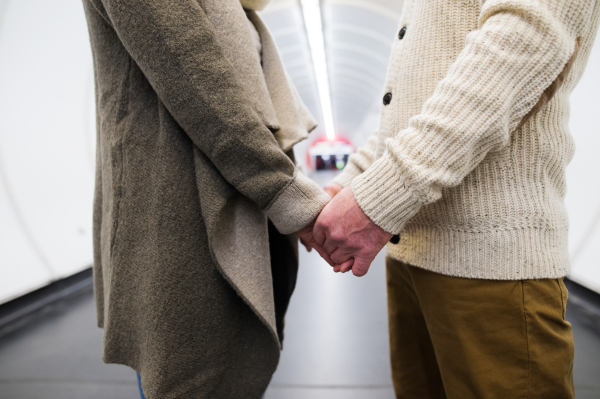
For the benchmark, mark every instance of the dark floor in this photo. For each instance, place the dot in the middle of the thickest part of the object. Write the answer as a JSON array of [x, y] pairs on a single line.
[[336, 347]]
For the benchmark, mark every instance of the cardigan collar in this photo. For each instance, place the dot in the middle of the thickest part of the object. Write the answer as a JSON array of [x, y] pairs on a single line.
[[256, 5]]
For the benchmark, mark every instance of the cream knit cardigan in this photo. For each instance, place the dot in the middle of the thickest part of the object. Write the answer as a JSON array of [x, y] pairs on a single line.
[[473, 193]]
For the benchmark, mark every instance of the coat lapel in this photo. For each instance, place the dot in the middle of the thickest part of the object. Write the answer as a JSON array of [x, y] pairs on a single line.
[[230, 24], [295, 121], [269, 89]]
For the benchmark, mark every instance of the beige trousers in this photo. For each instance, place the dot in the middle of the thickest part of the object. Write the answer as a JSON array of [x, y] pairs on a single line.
[[463, 338]]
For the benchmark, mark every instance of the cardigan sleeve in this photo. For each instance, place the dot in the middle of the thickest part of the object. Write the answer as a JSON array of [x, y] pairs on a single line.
[[519, 50], [173, 43], [358, 162]]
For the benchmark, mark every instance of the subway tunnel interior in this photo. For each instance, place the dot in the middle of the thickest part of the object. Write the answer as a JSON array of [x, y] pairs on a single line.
[[336, 335]]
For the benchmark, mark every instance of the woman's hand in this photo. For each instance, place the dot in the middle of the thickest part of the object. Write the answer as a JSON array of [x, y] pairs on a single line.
[[333, 189], [308, 240]]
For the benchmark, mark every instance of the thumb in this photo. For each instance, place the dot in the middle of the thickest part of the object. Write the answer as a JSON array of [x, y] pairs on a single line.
[[360, 267], [347, 266]]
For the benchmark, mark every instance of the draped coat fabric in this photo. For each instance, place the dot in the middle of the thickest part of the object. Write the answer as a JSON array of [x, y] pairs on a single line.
[[193, 158]]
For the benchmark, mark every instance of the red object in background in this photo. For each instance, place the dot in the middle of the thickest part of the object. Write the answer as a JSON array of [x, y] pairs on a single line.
[[326, 154]]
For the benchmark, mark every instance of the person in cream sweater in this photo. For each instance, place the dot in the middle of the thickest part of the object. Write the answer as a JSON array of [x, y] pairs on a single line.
[[466, 177]]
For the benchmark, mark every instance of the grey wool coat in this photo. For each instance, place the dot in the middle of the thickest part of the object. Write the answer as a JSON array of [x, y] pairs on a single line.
[[195, 194]]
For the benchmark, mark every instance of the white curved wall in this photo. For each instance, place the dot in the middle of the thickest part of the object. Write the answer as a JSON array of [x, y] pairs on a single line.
[[46, 143], [47, 150], [583, 176]]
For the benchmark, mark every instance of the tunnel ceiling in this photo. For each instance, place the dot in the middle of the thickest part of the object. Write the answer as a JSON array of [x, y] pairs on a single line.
[[358, 37]]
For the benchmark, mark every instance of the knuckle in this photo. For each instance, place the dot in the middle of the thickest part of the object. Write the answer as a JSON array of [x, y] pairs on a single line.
[[336, 236]]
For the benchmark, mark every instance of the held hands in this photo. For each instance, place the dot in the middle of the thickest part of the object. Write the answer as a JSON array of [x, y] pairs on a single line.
[[306, 236], [343, 235]]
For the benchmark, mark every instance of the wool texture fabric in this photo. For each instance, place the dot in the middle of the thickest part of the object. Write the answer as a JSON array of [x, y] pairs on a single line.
[[461, 168], [194, 140]]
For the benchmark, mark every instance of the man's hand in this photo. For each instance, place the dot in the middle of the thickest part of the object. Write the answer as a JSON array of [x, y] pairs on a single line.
[[333, 189], [347, 235]]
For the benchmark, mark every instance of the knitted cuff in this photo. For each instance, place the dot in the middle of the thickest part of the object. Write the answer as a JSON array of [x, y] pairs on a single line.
[[382, 194], [346, 176], [297, 204]]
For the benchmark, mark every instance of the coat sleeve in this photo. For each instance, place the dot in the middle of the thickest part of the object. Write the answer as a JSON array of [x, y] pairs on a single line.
[[521, 48], [173, 43]]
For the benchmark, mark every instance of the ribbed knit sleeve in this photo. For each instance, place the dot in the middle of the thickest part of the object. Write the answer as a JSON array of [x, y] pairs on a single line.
[[520, 48], [358, 162]]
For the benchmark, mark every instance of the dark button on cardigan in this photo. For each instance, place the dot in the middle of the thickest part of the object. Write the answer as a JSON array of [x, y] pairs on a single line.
[[402, 33], [387, 99]]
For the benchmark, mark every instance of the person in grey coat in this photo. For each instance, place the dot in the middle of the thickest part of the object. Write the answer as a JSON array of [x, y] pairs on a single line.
[[197, 193]]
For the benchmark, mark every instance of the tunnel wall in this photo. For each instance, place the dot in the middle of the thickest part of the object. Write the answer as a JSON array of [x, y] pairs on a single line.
[[46, 143]]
